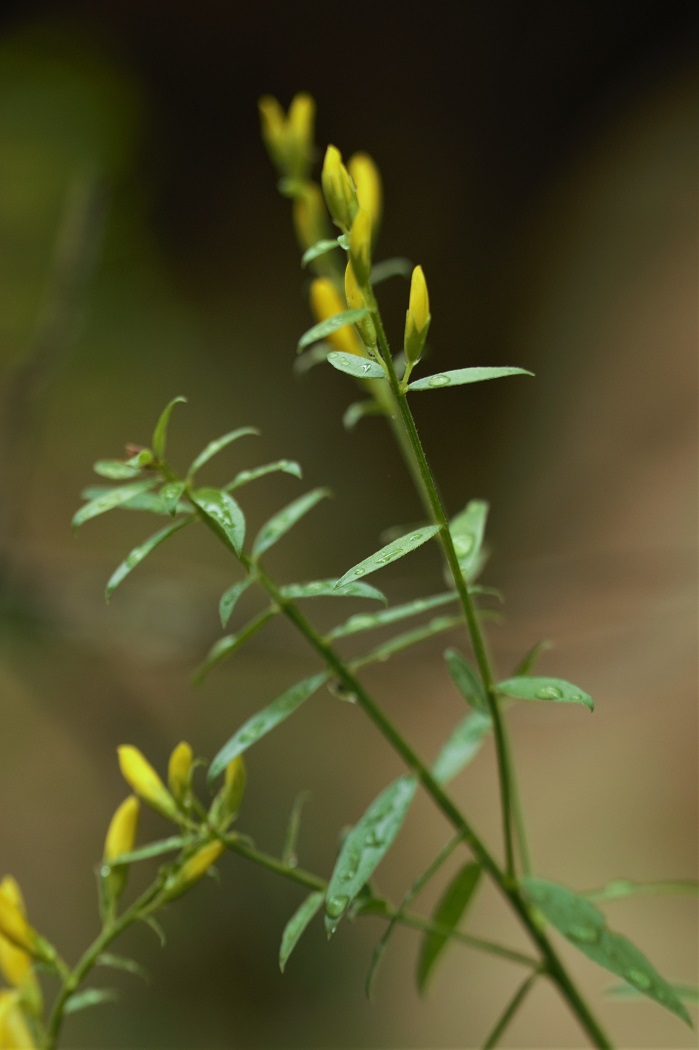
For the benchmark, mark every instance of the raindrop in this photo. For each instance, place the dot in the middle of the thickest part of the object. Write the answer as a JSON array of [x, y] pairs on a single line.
[[585, 934], [336, 905], [105, 871], [550, 692], [359, 572], [638, 978], [440, 380]]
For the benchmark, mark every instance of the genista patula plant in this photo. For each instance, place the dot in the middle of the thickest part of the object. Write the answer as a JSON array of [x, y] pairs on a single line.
[[337, 224]]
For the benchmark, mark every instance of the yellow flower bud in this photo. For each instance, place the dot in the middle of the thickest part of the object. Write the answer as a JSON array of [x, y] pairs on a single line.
[[193, 869], [123, 827], [289, 139], [301, 123], [310, 218], [14, 1030], [227, 802], [326, 302], [179, 771], [14, 926], [15, 962], [338, 189], [360, 246], [367, 181], [417, 321], [142, 778]]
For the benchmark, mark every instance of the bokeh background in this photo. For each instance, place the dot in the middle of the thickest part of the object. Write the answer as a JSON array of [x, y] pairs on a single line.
[[539, 160]]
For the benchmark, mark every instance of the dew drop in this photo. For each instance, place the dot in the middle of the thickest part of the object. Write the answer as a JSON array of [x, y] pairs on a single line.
[[463, 544], [359, 572], [550, 692], [585, 934], [105, 871], [638, 978], [336, 905], [440, 380]]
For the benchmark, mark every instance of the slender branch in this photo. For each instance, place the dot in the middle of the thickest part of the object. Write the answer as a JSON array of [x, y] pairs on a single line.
[[510, 1010]]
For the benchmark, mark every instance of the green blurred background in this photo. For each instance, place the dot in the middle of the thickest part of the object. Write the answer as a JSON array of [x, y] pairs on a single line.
[[540, 162]]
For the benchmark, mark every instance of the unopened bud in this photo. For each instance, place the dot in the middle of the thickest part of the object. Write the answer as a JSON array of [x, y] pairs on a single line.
[[192, 870], [338, 189], [142, 778], [417, 320], [360, 246], [367, 181], [179, 771]]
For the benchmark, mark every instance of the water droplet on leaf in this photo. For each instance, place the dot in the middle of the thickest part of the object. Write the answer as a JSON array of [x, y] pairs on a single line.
[[585, 934], [336, 905], [550, 692], [638, 978], [439, 380]]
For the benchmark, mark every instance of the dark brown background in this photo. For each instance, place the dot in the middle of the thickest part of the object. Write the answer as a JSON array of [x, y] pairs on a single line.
[[540, 162]]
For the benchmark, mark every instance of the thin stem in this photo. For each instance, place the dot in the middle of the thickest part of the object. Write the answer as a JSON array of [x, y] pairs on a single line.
[[510, 1010]]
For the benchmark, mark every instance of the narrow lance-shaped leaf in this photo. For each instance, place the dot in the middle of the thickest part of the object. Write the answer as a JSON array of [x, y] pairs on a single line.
[[365, 847], [122, 962], [110, 498], [332, 324], [222, 514], [171, 494], [137, 555], [229, 599], [244, 477], [396, 267], [358, 410], [297, 924], [263, 722], [370, 621], [293, 828], [465, 679], [585, 926], [390, 553], [462, 745], [409, 638], [151, 502], [154, 849], [318, 249], [227, 645], [353, 365], [467, 529], [329, 589], [116, 469], [530, 658], [90, 997], [688, 992], [619, 888], [160, 432], [460, 376], [557, 690], [215, 446], [280, 523], [448, 914]]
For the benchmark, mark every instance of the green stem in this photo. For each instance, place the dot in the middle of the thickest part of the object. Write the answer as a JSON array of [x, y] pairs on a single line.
[[510, 1010], [439, 517]]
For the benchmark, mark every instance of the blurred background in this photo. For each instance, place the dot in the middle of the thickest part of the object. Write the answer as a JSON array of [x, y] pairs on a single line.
[[540, 162]]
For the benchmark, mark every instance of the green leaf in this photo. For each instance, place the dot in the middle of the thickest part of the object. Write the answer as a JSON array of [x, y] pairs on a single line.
[[222, 514], [459, 376], [370, 621], [139, 553], [280, 523], [116, 469], [264, 721], [462, 745], [329, 589], [365, 847], [170, 494], [354, 365], [153, 849], [108, 499], [227, 645], [316, 355], [688, 992], [122, 962], [160, 433], [531, 658], [318, 249], [230, 598], [555, 689], [358, 410], [467, 529], [244, 477], [466, 680], [585, 926], [297, 924], [215, 447], [397, 267], [404, 641], [332, 324], [151, 502], [391, 552], [90, 997], [620, 888], [448, 914]]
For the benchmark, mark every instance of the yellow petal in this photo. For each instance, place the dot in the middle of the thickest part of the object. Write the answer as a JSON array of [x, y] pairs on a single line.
[[179, 770], [123, 827], [193, 869], [326, 302], [367, 180], [142, 778]]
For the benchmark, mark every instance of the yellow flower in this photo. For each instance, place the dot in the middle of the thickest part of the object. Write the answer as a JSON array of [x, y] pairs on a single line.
[[367, 181], [289, 139], [179, 771], [14, 1031], [142, 778], [417, 321], [326, 302], [193, 869], [309, 215], [123, 827], [227, 802], [338, 189], [16, 963], [360, 246], [14, 926]]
